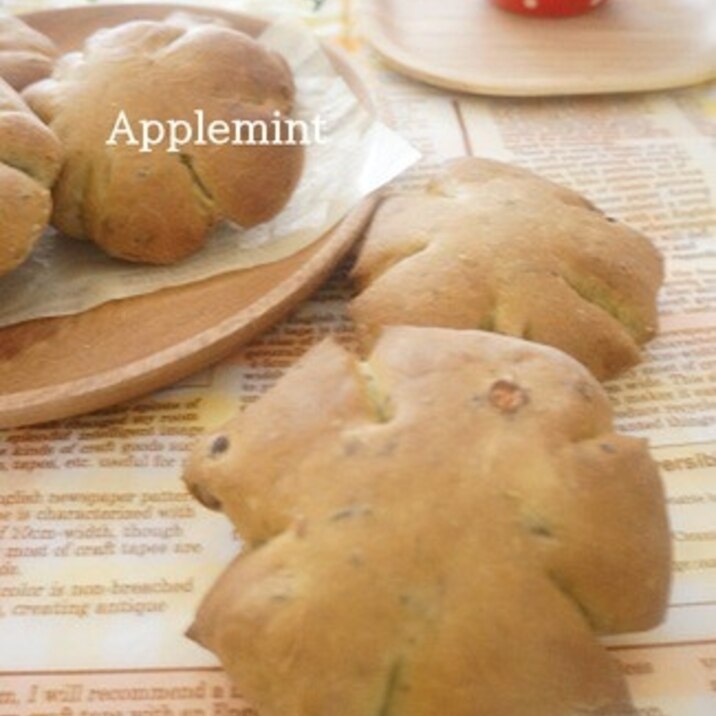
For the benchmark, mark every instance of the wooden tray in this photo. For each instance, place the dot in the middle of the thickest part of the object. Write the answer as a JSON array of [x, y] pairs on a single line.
[[53, 368], [472, 46]]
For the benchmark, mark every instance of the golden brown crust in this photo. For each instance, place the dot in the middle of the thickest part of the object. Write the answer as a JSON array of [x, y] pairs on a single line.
[[30, 157], [441, 528], [159, 207], [26, 56], [24, 210], [498, 248]]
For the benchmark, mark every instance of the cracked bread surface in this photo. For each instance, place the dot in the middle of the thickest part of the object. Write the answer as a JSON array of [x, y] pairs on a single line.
[[159, 207], [495, 247], [443, 527], [30, 157]]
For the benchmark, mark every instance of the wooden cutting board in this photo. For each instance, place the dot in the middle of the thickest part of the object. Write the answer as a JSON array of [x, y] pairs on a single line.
[[472, 46], [53, 368]]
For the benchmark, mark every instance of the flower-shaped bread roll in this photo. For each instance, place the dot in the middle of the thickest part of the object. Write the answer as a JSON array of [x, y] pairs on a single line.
[[26, 55], [498, 248], [443, 528], [159, 206]]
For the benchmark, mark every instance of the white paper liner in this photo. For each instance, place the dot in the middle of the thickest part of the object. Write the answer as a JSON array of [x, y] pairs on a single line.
[[65, 276]]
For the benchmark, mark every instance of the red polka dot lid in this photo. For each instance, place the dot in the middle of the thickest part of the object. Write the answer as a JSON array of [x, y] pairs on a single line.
[[549, 8]]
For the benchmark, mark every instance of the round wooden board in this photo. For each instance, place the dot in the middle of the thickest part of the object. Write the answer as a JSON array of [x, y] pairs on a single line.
[[54, 368], [473, 46]]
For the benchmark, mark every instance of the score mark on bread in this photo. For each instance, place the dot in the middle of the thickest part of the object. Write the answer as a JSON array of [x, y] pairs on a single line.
[[496, 247], [443, 528]]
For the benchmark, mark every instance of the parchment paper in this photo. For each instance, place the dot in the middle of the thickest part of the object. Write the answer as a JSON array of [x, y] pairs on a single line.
[[65, 276]]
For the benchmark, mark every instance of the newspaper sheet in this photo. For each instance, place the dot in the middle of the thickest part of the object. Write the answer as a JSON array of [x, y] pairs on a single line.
[[103, 557]]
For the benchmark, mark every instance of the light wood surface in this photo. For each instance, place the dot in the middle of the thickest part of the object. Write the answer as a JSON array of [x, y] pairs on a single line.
[[53, 368], [472, 46]]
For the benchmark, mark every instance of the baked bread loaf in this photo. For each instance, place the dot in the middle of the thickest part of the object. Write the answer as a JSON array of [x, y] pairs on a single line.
[[440, 529], [495, 247], [30, 157], [159, 206], [26, 55]]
